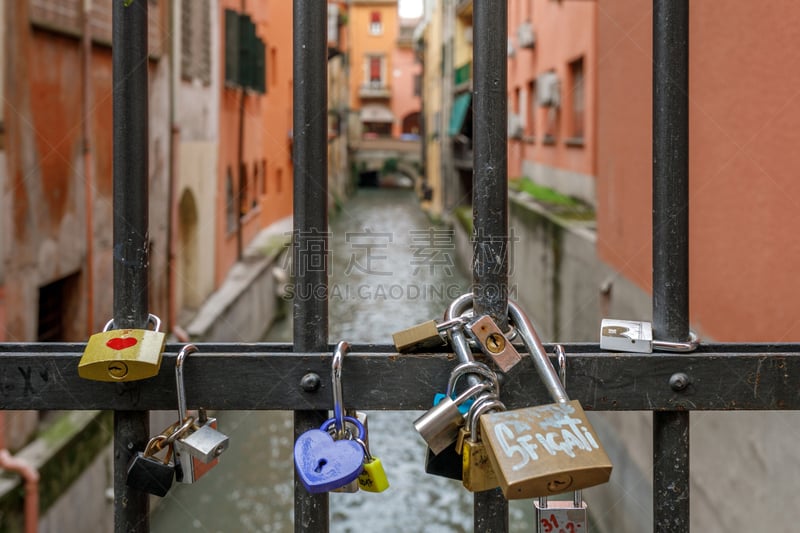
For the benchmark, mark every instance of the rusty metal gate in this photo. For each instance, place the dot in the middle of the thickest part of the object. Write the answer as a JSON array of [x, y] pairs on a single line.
[[602, 381]]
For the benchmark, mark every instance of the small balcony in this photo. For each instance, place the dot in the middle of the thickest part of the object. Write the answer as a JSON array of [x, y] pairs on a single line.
[[374, 89]]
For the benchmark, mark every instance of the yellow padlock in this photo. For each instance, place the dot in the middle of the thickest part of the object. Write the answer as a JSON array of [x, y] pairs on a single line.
[[123, 354], [477, 471], [373, 477]]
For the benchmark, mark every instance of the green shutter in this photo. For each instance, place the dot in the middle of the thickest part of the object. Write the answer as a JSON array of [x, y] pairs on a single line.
[[245, 52]]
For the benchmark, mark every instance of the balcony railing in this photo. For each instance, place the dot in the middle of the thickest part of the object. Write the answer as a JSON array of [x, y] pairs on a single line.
[[374, 90]]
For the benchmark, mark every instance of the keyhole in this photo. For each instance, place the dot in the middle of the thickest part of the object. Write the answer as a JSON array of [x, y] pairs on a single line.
[[495, 342], [322, 462]]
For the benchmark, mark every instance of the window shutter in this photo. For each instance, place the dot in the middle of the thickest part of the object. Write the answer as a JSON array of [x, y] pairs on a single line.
[[231, 47]]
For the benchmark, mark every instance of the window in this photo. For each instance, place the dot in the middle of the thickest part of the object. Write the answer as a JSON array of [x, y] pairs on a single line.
[[279, 180], [273, 65], [244, 206], [530, 119], [196, 40], [333, 25], [254, 188], [375, 70], [263, 176], [230, 202], [58, 302], [577, 99], [375, 26]]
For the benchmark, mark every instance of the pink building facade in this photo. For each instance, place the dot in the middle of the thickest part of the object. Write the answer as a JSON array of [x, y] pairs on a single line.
[[552, 94]]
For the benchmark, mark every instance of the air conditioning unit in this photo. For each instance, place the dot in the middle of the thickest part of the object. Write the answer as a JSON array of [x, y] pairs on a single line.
[[548, 90], [468, 34], [515, 127], [525, 36]]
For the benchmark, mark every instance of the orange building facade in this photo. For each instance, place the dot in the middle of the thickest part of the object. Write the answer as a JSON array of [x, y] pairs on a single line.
[[383, 101], [742, 167], [254, 171]]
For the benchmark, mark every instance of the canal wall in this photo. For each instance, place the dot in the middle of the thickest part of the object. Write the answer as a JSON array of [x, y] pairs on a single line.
[[74, 455], [247, 303], [556, 276], [738, 458]]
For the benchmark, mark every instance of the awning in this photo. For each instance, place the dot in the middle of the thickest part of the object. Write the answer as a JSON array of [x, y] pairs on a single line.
[[459, 112], [376, 113]]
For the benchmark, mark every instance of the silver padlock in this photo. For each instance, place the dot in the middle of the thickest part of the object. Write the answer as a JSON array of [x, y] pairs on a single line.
[[439, 426], [339, 412], [562, 515], [637, 337], [198, 451]]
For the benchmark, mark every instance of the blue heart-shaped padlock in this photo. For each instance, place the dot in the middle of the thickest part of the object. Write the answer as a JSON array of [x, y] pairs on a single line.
[[325, 464]]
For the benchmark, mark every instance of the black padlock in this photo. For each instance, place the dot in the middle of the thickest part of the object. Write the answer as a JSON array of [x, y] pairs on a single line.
[[446, 463], [148, 473]]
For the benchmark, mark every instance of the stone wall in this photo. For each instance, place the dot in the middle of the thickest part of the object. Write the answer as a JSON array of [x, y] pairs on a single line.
[[738, 459]]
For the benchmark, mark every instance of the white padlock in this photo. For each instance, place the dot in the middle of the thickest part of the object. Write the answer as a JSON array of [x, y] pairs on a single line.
[[637, 337]]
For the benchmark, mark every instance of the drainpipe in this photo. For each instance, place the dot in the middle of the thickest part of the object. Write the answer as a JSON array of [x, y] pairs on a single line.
[[172, 177], [86, 49], [240, 158], [31, 477]]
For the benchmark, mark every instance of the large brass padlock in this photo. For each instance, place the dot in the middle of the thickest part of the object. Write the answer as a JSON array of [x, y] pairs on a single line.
[[547, 449], [123, 354]]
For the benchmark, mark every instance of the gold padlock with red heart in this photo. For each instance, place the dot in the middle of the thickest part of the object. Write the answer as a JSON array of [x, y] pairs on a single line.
[[123, 354]]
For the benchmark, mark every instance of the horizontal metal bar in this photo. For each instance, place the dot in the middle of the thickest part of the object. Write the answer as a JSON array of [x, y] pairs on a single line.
[[267, 377]]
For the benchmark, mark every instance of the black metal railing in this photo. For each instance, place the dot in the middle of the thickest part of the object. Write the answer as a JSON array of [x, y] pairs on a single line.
[[42, 376]]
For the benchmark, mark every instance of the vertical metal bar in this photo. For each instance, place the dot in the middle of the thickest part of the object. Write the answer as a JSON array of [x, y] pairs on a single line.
[[490, 198], [490, 181], [310, 220], [131, 246], [671, 248]]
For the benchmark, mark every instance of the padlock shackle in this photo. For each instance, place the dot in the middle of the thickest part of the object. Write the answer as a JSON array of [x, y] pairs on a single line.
[[481, 408], [534, 345], [471, 391], [342, 348], [472, 367], [362, 432], [458, 340], [562, 365], [181, 390], [679, 347], [151, 319], [483, 398]]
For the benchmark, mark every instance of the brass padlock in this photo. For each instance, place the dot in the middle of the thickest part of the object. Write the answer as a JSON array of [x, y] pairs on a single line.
[[427, 335], [492, 342], [477, 471], [547, 449], [439, 426], [123, 354]]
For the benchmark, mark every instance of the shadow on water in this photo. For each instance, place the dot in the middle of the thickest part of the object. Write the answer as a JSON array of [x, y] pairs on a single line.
[[390, 268]]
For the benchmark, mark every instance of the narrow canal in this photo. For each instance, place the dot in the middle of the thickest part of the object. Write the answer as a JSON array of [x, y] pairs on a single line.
[[390, 268]]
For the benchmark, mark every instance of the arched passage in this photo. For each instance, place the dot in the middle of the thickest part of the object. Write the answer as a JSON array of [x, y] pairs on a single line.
[[411, 123], [190, 296]]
